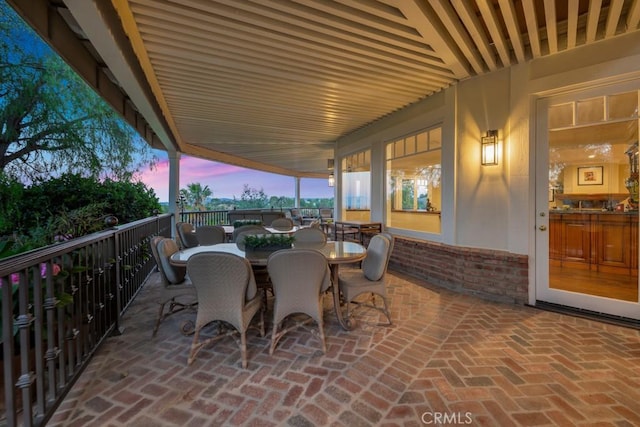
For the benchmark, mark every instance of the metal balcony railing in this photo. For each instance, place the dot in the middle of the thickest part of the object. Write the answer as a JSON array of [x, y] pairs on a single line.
[[221, 217], [58, 304]]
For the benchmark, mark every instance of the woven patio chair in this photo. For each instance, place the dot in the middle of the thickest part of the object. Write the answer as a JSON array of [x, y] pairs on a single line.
[[309, 235], [210, 234], [227, 293], [299, 278], [370, 278], [296, 216], [260, 271], [186, 235], [257, 229], [179, 293], [282, 224]]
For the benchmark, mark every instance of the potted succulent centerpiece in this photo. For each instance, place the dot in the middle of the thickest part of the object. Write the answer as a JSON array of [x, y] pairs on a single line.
[[267, 242]]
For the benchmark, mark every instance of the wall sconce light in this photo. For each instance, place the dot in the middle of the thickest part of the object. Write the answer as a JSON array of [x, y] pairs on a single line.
[[490, 148], [330, 166]]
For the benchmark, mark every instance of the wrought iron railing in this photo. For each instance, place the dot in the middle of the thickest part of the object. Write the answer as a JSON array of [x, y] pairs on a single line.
[[221, 217], [204, 217], [58, 304]]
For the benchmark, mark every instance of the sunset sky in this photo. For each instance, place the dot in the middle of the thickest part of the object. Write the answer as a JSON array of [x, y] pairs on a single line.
[[226, 181]]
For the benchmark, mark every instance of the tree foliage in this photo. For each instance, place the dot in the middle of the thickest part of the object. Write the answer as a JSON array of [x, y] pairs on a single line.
[[51, 122], [196, 195], [252, 198], [69, 206]]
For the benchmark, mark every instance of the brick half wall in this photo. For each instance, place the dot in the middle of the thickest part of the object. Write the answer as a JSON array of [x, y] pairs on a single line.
[[490, 274]]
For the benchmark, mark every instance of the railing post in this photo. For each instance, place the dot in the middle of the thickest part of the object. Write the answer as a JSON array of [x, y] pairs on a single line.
[[117, 330], [8, 351]]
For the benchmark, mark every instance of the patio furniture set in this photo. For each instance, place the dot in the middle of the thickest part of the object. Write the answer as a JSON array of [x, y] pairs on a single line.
[[227, 285]]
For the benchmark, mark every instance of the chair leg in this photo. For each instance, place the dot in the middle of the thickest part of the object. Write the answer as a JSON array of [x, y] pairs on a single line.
[[160, 317], [274, 333], [243, 349], [385, 309], [195, 347], [322, 339]]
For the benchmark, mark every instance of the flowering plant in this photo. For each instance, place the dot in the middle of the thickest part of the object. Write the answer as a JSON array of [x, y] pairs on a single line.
[[62, 298]]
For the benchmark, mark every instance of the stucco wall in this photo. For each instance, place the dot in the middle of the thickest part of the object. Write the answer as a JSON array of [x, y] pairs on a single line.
[[482, 197], [490, 211]]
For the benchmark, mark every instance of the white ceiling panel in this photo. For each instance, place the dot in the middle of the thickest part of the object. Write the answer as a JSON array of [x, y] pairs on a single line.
[[272, 84]]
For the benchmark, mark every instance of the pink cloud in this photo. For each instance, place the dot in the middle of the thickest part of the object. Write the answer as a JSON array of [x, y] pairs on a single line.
[[227, 181]]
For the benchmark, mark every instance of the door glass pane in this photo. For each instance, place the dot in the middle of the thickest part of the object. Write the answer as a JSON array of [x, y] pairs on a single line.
[[593, 200]]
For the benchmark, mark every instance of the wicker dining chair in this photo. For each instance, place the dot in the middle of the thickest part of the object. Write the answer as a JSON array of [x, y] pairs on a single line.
[[227, 293], [308, 235], [260, 272], [186, 235], [256, 228], [370, 278], [282, 224], [179, 293], [210, 234], [299, 277]]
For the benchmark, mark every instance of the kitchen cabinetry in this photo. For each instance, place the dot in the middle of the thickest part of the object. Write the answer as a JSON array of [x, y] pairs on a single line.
[[599, 241]]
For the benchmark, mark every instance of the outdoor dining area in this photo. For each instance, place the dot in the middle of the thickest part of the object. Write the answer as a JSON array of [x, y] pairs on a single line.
[[446, 354], [232, 275], [222, 334]]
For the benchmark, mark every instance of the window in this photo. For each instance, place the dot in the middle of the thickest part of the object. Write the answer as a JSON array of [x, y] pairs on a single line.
[[356, 186], [413, 181]]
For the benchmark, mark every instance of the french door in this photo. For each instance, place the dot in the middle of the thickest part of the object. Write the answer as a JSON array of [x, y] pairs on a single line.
[[587, 209]]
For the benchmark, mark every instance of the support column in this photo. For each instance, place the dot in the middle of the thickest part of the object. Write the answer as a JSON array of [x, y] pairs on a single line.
[[174, 186], [297, 192]]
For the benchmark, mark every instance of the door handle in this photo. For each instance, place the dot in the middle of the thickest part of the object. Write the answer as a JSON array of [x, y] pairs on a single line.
[[542, 228]]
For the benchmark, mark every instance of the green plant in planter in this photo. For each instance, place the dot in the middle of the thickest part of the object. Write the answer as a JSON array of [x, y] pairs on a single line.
[[258, 241]]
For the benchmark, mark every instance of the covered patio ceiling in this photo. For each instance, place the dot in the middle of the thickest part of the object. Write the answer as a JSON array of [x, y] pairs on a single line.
[[272, 84]]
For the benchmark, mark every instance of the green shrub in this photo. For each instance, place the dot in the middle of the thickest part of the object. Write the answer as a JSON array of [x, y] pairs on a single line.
[[66, 207], [265, 240]]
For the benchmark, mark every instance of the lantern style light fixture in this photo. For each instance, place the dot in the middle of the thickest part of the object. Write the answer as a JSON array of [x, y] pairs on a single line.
[[490, 148], [332, 179]]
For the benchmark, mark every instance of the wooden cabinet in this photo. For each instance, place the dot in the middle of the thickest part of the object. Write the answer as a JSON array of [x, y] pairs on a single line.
[[606, 242]]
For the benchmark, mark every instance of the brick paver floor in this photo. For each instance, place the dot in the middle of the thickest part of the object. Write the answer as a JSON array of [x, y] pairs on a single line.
[[449, 359]]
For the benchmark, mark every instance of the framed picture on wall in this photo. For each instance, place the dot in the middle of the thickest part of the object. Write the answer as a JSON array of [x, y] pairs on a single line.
[[591, 175]]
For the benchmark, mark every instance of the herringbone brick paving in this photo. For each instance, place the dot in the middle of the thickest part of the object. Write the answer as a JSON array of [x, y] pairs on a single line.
[[449, 359]]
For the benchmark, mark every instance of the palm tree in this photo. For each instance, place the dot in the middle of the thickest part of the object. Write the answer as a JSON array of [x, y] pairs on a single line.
[[197, 195]]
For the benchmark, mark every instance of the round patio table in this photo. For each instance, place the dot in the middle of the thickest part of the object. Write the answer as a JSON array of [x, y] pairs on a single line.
[[336, 253]]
